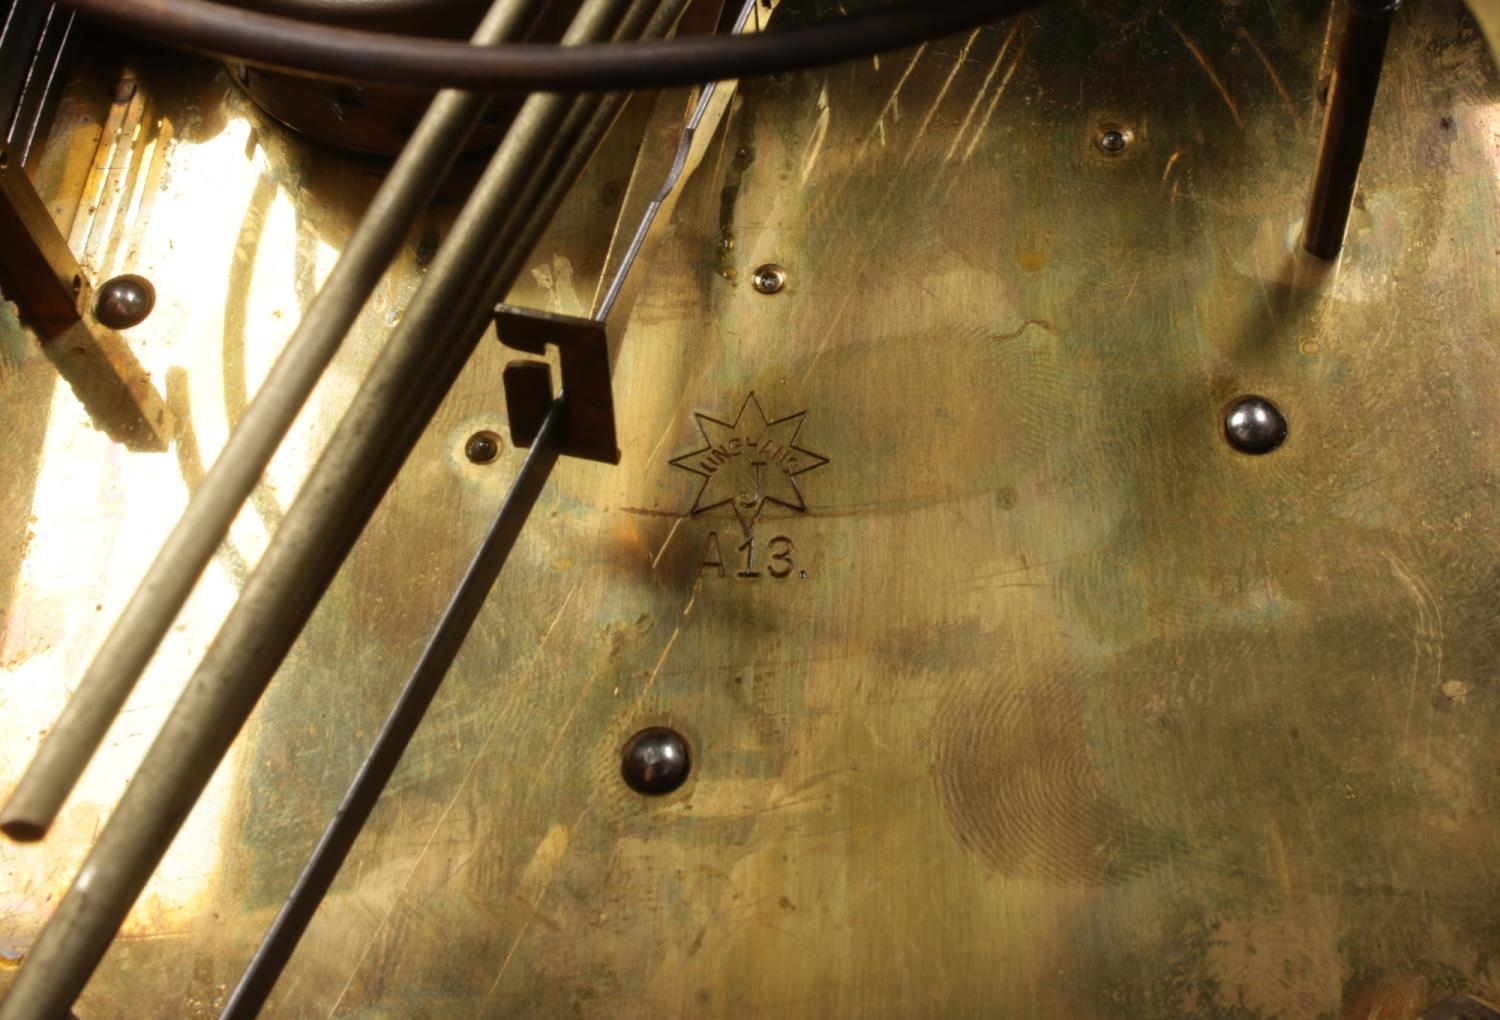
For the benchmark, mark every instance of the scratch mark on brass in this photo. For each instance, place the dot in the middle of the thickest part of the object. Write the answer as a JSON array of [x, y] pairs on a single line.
[[982, 91], [1213, 76], [958, 64], [994, 103], [1265, 61]]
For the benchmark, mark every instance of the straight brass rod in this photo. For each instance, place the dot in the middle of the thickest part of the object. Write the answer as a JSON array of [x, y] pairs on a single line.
[[388, 414], [1351, 100], [121, 659]]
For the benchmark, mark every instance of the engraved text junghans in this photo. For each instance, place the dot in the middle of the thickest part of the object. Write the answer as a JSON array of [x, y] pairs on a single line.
[[748, 464]]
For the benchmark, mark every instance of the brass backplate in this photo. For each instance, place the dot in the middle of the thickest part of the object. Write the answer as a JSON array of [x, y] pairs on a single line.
[[1012, 690]]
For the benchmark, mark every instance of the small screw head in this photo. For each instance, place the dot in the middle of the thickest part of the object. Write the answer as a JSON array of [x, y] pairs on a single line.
[[1112, 142], [769, 278], [482, 447], [123, 301], [1255, 426], [656, 761]]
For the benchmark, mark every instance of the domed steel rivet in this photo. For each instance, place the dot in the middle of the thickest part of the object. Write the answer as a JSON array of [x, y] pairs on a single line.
[[1254, 425], [124, 301], [1112, 142], [656, 761]]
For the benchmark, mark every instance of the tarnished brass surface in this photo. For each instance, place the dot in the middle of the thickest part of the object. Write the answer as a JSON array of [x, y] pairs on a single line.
[[1043, 702]]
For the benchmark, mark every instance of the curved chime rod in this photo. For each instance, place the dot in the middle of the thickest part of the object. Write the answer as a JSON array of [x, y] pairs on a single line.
[[256, 37]]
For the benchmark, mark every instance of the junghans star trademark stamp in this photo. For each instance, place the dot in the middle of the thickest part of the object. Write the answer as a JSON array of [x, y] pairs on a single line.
[[748, 464]]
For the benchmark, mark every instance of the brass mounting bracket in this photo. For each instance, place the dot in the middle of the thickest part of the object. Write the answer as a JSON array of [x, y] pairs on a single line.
[[40, 274], [588, 428]]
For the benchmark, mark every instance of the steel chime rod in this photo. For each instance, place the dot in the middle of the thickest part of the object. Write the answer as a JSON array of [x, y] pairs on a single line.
[[120, 661], [404, 388], [1351, 101], [426, 679], [400, 726]]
